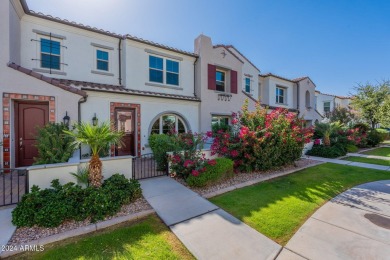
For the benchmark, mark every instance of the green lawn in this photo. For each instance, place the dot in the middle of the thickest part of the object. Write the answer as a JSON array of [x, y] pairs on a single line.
[[277, 208], [368, 160], [148, 239], [384, 151]]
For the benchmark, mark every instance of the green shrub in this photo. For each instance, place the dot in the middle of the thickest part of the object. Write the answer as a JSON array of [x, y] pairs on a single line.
[[51, 207], [222, 169], [53, 145], [374, 138], [327, 151], [82, 175], [385, 135], [352, 148], [160, 145]]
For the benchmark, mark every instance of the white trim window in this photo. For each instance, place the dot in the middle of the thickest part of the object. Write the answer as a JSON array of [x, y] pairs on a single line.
[[220, 120], [50, 53], [168, 74], [281, 95], [327, 106], [220, 81], [247, 85], [168, 123], [102, 60]]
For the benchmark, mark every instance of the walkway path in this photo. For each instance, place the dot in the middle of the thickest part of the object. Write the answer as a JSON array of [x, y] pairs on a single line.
[[344, 162], [353, 225], [368, 156], [6, 227], [206, 230]]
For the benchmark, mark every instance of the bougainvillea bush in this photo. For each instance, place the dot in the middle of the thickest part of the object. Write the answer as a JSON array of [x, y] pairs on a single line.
[[188, 159], [261, 141]]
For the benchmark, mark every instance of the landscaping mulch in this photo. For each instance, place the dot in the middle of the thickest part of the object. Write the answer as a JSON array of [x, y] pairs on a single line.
[[27, 234], [244, 177]]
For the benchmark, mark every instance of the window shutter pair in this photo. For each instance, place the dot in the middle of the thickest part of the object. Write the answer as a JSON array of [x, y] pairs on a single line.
[[211, 79]]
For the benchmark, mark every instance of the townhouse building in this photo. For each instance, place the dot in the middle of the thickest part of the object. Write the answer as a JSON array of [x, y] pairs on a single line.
[[54, 70], [297, 95], [326, 103]]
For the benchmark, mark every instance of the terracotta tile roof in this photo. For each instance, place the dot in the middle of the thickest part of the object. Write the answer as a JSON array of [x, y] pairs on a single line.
[[128, 36], [276, 76], [84, 85], [226, 48], [101, 31], [300, 78], [341, 97], [231, 46], [52, 81]]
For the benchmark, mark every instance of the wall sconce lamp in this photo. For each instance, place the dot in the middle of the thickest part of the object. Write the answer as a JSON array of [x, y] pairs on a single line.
[[95, 120], [66, 119]]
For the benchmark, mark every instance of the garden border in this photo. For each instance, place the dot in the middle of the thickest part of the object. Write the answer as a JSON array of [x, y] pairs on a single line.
[[79, 231], [139, 215]]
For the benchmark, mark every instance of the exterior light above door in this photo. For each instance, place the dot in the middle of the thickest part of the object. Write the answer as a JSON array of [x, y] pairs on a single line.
[[66, 119]]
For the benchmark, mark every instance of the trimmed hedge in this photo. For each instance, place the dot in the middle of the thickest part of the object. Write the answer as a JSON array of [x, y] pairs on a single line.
[[160, 145], [51, 207], [328, 151], [222, 169]]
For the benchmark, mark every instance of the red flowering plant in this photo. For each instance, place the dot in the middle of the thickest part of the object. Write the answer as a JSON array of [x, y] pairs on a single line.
[[188, 159], [260, 141]]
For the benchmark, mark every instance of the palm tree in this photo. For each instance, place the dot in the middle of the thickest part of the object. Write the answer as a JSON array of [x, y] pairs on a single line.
[[98, 137], [327, 129]]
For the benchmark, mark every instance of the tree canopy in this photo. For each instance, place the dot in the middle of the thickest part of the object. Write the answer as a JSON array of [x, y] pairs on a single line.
[[372, 101]]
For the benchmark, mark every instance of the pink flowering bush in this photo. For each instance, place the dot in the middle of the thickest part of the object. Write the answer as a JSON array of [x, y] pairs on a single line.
[[188, 159], [261, 141]]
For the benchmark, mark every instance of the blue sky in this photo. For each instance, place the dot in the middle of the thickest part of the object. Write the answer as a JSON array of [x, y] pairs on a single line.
[[337, 43]]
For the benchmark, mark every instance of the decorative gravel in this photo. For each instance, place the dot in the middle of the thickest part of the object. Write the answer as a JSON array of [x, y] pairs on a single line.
[[244, 177], [27, 234]]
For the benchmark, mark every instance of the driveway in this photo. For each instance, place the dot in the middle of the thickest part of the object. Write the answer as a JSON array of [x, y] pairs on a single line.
[[353, 225]]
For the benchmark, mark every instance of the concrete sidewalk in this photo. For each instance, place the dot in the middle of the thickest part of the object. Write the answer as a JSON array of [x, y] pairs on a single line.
[[6, 227], [368, 156], [353, 225], [206, 230], [344, 162]]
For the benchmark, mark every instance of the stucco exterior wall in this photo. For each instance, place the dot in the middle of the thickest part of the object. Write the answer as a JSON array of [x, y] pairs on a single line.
[[289, 86], [151, 107], [248, 70], [210, 104], [307, 111], [137, 69], [43, 175], [78, 51], [321, 98]]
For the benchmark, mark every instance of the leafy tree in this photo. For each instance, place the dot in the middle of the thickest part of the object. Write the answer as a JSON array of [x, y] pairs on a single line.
[[342, 115], [370, 101], [385, 113], [53, 145], [98, 137]]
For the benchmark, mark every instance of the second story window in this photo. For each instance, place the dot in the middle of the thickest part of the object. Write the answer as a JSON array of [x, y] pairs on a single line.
[[156, 69], [247, 85], [168, 74], [220, 80], [50, 54], [280, 95], [172, 72], [327, 106], [102, 60]]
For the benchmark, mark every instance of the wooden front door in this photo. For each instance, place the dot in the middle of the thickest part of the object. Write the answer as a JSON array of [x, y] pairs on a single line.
[[29, 117], [125, 122]]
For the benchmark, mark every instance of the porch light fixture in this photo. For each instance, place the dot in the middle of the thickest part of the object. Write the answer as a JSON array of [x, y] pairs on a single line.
[[66, 119], [95, 120]]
